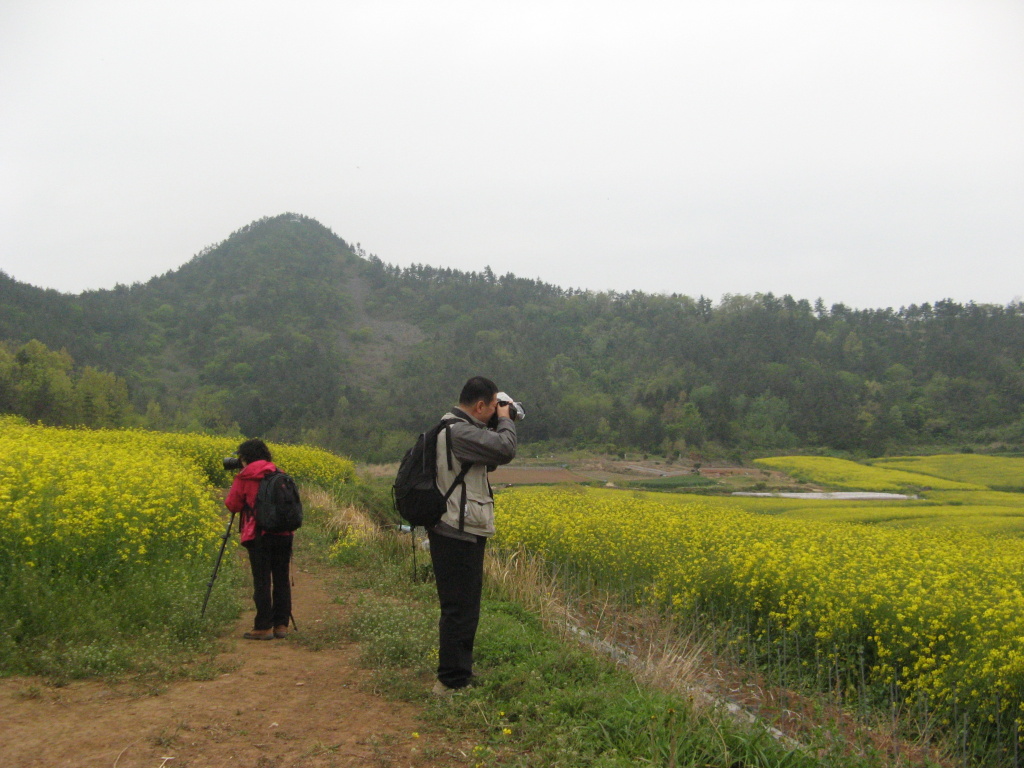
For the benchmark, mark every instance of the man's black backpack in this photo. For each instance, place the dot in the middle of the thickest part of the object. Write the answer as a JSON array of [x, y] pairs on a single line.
[[415, 492], [278, 506]]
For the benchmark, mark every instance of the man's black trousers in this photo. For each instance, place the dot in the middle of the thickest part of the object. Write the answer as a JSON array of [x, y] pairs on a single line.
[[269, 558], [459, 573]]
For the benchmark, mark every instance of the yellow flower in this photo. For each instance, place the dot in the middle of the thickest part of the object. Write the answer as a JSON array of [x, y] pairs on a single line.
[[938, 611]]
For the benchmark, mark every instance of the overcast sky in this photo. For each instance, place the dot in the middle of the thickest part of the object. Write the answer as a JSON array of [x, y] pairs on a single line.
[[869, 152]]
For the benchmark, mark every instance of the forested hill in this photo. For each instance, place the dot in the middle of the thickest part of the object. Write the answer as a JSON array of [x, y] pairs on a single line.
[[285, 331]]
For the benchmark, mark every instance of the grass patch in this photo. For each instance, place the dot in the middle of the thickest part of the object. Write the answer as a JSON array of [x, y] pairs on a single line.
[[321, 634], [395, 634], [146, 624], [673, 483]]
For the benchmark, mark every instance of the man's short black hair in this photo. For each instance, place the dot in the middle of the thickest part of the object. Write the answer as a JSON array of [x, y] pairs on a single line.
[[252, 450], [476, 389]]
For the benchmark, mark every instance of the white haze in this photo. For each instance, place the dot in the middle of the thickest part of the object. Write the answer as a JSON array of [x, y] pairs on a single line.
[[870, 153]]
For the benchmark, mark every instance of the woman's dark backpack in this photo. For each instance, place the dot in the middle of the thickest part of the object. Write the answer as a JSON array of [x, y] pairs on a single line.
[[278, 506], [415, 493]]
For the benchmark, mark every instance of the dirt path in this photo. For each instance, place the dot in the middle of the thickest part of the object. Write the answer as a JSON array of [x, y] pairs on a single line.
[[280, 705]]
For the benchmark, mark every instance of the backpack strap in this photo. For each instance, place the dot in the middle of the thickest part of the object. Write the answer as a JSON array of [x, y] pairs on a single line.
[[460, 479], [448, 444], [260, 532], [448, 436], [462, 509]]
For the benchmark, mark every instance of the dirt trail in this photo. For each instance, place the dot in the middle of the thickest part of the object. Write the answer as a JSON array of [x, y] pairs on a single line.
[[280, 706]]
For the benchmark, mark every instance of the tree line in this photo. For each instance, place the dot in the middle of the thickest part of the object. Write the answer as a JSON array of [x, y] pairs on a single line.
[[285, 330], [46, 386], [761, 372]]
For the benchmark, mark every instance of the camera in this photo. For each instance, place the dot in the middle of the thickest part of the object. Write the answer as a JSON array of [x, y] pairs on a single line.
[[232, 463], [515, 410]]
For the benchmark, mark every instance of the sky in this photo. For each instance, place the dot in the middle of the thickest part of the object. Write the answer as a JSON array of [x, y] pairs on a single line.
[[869, 152]]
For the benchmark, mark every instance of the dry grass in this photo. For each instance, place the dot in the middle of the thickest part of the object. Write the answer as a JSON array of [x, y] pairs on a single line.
[[343, 518], [524, 579], [379, 471]]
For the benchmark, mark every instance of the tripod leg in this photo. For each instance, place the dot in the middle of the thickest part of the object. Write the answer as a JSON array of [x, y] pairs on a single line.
[[291, 580], [412, 538], [216, 566]]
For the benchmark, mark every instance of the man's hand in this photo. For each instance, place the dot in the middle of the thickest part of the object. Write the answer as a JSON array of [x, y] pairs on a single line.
[[502, 410]]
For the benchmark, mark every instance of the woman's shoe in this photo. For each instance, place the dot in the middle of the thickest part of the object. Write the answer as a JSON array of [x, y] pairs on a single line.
[[259, 634]]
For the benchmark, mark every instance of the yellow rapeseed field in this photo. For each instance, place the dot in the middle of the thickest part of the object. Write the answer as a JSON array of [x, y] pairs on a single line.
[[936, 614], [840, 473], [109, 537], [71, 503], [976, 498], [991, 471], [95, 502]]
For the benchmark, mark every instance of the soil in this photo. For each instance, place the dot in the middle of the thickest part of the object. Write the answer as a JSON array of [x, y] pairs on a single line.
[[516, 475], [614, 471], [278, 704]]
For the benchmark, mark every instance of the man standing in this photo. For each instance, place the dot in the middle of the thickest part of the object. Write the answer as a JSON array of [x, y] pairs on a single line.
[[483, 435]]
